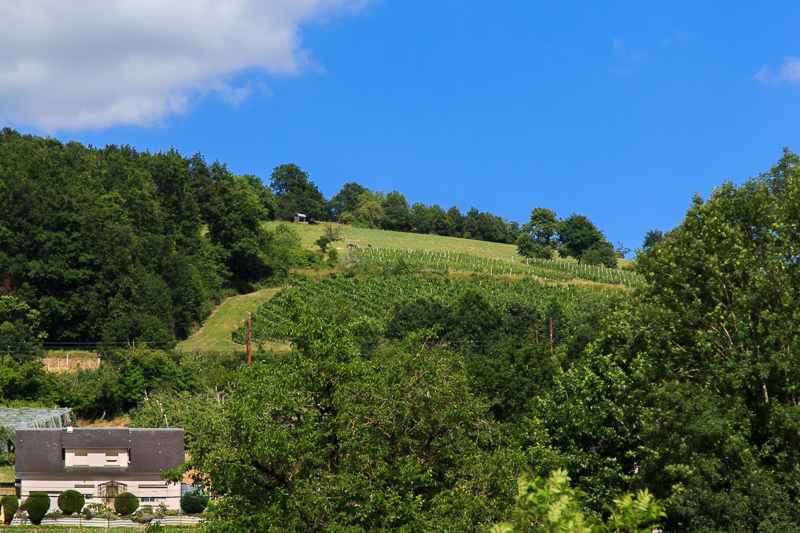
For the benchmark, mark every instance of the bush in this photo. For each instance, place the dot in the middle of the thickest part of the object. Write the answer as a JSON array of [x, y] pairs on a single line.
[[71, 501], [97, 510], [10, 506], [126, 504], [154, 527], [37, 505], [144, 515], [194, 502]]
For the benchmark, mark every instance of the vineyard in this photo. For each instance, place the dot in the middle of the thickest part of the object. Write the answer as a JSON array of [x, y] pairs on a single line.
[[553, 270], [372, 301]]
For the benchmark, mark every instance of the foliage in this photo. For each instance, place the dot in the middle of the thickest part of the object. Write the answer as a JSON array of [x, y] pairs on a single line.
[[319, 439], [296, 194], [121, 249], [577, 235], [98, 510], [651, 239], [346, 200], [37, 505], [143, 515], [194, 502], [155, 527], [71, 501], [10, 506], [539, 236], [691, 387], [126, 504], [20, 332], [601, 253], [425, 260], [552, 506]]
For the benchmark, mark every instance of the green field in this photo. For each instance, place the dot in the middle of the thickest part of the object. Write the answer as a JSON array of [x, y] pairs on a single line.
[[216, 331]]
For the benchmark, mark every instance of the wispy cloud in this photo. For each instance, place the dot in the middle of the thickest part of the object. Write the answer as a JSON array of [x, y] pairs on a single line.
[[92, 64], [628, 57], [789, 71]]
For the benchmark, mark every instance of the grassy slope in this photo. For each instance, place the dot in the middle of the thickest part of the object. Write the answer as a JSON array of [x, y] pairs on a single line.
[[395, 239], [216, 332]]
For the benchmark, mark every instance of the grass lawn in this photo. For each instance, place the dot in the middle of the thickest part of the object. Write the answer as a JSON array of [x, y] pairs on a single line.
[[396, 239], [216, 331], [7, 474]]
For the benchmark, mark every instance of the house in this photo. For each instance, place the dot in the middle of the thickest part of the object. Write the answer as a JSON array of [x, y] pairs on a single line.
[[300, 218], [100, 463]]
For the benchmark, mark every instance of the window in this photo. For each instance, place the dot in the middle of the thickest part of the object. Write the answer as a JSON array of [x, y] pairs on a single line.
[[86, 490], [152, 499], [112, 458], [81, 459]]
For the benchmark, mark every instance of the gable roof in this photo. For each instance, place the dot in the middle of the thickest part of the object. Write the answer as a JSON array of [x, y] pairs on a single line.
[[39, 451]]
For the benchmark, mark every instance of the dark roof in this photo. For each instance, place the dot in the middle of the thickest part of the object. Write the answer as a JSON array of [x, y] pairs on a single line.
[[39, 451]]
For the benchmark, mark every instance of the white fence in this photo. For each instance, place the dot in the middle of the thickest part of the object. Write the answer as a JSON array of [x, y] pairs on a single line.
[[102, 522]]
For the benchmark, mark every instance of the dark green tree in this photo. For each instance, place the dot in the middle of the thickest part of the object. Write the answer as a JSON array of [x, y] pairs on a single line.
[[539, 236], [194, 502], [651, 239], [20, 333], [346, 200], [235, 219], [295, 193], [601, 253], [264, 193], [576, 235], [396, 212], [455, 222], [693, 383]]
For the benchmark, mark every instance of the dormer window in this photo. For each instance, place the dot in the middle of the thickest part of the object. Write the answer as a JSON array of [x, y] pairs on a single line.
[[96, 458]]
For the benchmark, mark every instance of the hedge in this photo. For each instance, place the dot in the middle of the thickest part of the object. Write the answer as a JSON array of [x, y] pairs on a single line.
[[71, 501], [37, 505]]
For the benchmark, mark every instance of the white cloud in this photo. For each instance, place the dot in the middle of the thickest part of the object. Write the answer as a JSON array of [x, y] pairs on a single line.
[[790, 71], [82, 64]]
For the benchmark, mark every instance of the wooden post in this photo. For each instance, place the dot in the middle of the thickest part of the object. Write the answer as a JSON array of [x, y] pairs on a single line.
[[249, 333]]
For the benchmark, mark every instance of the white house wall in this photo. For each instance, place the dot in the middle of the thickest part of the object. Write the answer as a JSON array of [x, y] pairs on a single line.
[[140, 485]]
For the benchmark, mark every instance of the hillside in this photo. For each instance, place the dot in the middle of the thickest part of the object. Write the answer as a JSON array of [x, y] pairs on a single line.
[[215, 334], [400, 240]]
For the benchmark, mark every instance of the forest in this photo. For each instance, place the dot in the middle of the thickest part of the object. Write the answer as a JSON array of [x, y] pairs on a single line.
[[414, 391]]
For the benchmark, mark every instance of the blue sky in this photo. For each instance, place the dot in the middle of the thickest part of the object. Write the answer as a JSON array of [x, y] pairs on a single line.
[[620, 111]]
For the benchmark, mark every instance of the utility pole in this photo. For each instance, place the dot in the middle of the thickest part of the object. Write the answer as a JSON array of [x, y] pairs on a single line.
[[249, 337]]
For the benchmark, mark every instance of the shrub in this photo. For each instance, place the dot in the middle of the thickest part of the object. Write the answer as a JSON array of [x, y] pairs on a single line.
[[154, 527], [194, 502], [37, 505], [143, 515], [71, 501], [126, 503], [98, 510], [10, 506]]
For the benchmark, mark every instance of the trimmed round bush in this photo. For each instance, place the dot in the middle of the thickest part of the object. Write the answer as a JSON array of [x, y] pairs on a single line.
[[37, 505], [71, 501], [194, 502], [126, 503], [10, 506]]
